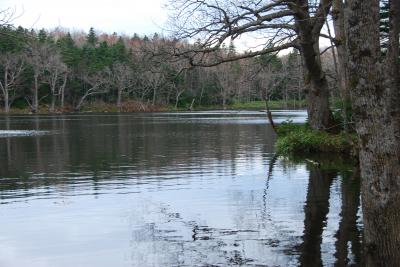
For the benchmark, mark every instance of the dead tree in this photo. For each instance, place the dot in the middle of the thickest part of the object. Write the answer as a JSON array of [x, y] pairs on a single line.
[[13, 66], [98, 83], [124, 78], [38, 58], [56, 74]]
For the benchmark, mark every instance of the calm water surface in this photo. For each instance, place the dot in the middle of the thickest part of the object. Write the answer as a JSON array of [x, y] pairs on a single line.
[[169, 189]]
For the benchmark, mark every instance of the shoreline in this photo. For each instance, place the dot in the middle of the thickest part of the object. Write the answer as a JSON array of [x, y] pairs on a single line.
[[127, 107]]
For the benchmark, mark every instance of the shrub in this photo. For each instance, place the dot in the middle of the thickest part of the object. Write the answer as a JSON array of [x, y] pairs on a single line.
[[294, 139]]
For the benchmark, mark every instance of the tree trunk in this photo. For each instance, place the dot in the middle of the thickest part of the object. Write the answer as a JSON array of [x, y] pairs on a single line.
[[340, 42], [177, 99], [6, 101], [35, 100], [154, 95], [80, 103], [192, 104], [4, 88], [201, 95], [372, 89], [315, 83], [317, 93], [62, 90], [119, 99], [53, 103]]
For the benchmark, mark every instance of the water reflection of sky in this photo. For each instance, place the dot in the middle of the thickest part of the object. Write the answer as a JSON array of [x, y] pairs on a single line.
[[126, 191]]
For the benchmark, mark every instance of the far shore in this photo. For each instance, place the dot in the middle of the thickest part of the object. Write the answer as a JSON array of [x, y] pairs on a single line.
[[135, 107]]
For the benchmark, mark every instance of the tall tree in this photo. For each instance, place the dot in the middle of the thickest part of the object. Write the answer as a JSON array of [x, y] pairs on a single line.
[[338, 16], [39, 55], [374, 85], [56, 74], [91, 38], [123, 78], [12, 67], [283, 24]]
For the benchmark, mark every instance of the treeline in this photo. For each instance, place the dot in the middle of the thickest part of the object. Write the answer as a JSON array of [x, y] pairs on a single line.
[[64, 71]]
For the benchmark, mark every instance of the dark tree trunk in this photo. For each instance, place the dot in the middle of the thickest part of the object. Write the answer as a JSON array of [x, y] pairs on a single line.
[[35, 100], [373, 90], [119, 99], [62, 90], [6, 101], [316, 210], [315, 82], [53, 102], [338, 17]]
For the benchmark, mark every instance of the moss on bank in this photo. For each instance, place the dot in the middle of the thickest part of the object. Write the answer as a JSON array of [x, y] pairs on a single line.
[[296, 139]]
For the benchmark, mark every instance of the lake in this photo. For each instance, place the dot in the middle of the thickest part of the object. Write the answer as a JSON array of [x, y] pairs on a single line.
[[170, 189]]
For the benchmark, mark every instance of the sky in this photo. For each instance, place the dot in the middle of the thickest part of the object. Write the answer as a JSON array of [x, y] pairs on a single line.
[[121, 16], [144, 17]]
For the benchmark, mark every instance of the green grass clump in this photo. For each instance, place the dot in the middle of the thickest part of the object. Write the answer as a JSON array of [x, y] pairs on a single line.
[[295, 139], [273, 104]]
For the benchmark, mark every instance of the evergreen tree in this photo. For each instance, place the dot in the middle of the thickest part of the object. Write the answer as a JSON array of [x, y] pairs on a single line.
[[232, 49], [118, 51], [69, 52], [42, 36], [91, 38]]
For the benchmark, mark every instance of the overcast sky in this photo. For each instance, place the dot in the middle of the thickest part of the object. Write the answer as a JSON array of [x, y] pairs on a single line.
[[121, 16], [144, 17]]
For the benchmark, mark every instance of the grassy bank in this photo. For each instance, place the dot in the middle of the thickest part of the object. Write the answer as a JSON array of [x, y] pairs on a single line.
[[300, 139], [252, 105], [274, 104]]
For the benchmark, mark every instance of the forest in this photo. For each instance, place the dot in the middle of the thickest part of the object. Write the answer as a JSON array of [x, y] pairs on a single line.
[[58, 71]]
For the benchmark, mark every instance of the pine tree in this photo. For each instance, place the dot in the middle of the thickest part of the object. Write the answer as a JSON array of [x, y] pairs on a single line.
[[69, 52], [118, 51], [91, 38], [232, 49], [42, 36]]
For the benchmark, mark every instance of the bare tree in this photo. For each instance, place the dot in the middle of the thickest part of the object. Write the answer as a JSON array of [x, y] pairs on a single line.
[[152, 80], [225, 74], [12, 66], [124, 78], [38, 58], [56, 75], [281, 23], [7, 16], [98, 83]]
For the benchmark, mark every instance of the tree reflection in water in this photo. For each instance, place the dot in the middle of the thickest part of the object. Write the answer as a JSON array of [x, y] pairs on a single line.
[[220, 247], [195, 192], [348, 245]]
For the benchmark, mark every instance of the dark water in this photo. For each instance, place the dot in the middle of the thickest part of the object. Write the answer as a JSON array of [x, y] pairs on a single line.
[[170, 189]]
